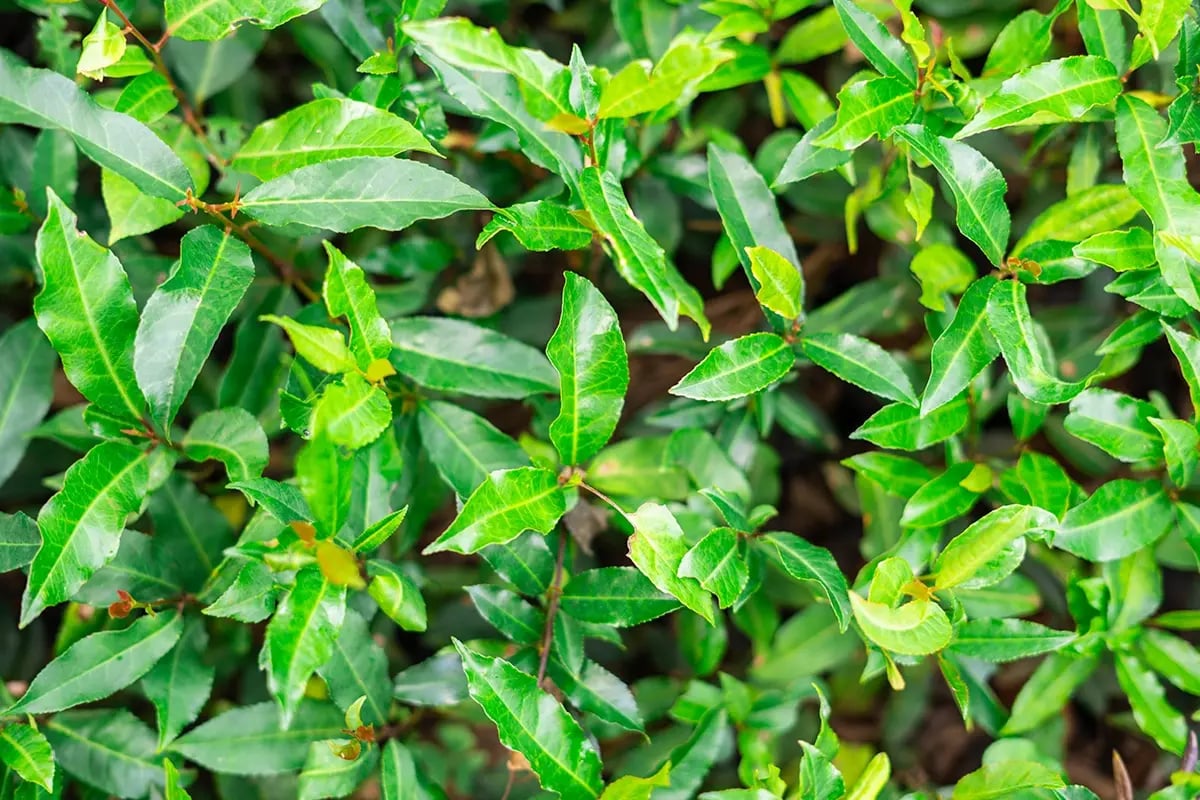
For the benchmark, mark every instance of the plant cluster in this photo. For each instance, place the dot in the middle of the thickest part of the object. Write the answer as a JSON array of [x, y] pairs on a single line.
[[743, 372]]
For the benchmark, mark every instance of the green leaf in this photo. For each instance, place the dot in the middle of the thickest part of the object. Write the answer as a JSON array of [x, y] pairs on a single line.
[[231, 436], [1049, 689], [325, 477], [26, 751], [26, 369], [631, 787], [1091, 212], [44, 99], [639, 259], [597, 691], [1120, 518], [916, 628], [1005, 778], [1187, 352], [352, 413], [819, 778], [1063, 90], [503, 507], [206, 20], [398, 774], [1153, 714], [324, 130], [738, 368], [1116, 423], [968, 552], [657, 548], [807, 159], [252, 740], [977, 186], [324, 348], [86, 310], [884, 51], [1170, 656], [861, 362], [281, 500], [869, 109], [180, 683], [453, 355], [588, 352], [251, 596], [101, 48], [692, 760], [184, 316], [635, 89], [109, 749], [1001, 640], [1048, 485], [101, 664], [508, 613], [805, 561], [351, 193], [348, 294], [1013, 326], [941, 268], [962, 350], [532, 723], [19, 541], [541, 225], [749, 213], [172, 790], [1181, 448], [946, 496], [714, 561], [1122, 250], [397, 595], [780, 284], [620, 596], [81, 525], [132, 212], [900, 426], [300, 638], [374, 536], [898, 475], [464, 447], [326, 774], [358, 668]]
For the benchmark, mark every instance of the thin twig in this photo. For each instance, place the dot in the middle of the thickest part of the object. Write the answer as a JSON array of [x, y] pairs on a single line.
[[604, 497], [553, 593]]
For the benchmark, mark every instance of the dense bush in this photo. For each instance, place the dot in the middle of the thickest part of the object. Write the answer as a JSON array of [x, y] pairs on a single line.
[[763, 399]]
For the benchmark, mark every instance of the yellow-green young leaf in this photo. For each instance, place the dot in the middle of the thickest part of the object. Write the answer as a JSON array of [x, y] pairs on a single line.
[[1095, 211], [657, 548], [215, 19], [324, 130], [637, 89], [715, 562], [780, 284], [25, 750], [101, 48], [1160, 720], [1054, 91], [984, 539], [131, 212], [1021, 344], [503, 507], [453, 355], [638, 257], [962, 350], [81, 525], [861, 362], [352, 413], [365, 191], [182, 319], [1006, 778], [872, 780], [738, 368], [1121, 250], [300, 638], [977, 186], [172, 790], [942, 269], [324, 348], [631, 787], [1158, 23], [338, 565], [917, 628], [1120, 518], [869, 109], [86, 310], [325, 476], [882, 49], [398, 597], [101, 664], [531, 722], [588, 352], [348, 294]]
